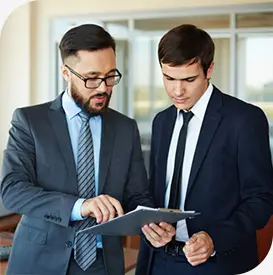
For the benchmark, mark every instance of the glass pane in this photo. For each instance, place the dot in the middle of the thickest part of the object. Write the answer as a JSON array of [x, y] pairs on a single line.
[[205, 22], [142, 60], [256, 74], [160, 98], [221, 74], [120, 31], [252, 20], [117, 28], [119, 100], [149, 93], [142, 78]]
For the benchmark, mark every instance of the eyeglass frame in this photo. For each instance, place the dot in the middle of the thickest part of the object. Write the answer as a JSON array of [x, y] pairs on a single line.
[[103, 79]]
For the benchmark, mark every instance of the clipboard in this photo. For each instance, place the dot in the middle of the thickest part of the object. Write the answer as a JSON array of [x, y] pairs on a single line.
[[130, 224]]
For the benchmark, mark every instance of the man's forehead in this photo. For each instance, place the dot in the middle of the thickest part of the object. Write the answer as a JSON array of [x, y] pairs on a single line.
[[96, 66], [94, 73], [185, 70]]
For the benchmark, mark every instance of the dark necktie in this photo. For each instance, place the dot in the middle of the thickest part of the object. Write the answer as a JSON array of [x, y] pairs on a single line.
[[85, 244], [175, 195]]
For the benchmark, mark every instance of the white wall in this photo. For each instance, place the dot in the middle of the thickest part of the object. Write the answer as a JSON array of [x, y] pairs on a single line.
[[14, 68]]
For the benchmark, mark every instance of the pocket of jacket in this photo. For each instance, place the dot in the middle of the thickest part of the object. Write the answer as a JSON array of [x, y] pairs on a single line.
[[34, 234]]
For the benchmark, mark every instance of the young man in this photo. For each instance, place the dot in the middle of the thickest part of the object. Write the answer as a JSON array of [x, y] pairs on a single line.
[[209, 153], [72, 162]]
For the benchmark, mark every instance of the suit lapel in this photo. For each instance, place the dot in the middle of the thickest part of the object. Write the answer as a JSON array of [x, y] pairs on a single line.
[[107, 142], [165, 136], [210, 124], [58, 122]]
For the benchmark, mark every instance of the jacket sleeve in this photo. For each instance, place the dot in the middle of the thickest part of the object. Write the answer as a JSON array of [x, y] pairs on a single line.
[[20, 190], [256, 185]]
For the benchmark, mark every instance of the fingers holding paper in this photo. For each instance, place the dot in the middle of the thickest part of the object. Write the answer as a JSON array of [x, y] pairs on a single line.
[[102, 207], [198, 248], [158, 234]]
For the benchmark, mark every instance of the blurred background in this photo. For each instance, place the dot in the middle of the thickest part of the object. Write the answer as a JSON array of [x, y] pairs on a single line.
[[29, 58]]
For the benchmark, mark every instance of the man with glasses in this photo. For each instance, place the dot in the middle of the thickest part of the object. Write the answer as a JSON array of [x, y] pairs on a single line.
[[71, 163]]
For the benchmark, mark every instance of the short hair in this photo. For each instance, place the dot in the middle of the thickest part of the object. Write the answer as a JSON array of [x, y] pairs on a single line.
[[186, 44], [88, 37]]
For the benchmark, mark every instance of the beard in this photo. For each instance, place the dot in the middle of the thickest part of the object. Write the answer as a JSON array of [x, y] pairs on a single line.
[[85, 104]]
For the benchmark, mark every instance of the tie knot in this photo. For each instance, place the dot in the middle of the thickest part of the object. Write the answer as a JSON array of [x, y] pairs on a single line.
[[84, 117], [187, 116]]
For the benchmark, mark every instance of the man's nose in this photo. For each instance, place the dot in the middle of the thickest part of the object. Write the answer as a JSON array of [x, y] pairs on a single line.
[[102, 87], [179, 88]]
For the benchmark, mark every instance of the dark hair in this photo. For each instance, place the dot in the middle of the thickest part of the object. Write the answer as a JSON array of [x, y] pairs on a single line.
[[186, 44], [87, 37]]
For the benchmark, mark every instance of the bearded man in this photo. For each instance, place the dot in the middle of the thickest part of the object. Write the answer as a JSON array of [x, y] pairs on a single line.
[[71, 163]]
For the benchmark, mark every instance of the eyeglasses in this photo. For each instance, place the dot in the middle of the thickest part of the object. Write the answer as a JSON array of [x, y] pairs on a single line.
[[95, 82]]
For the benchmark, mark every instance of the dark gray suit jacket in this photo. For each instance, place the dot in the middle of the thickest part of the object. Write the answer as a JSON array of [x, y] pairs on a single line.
[[39, 181]]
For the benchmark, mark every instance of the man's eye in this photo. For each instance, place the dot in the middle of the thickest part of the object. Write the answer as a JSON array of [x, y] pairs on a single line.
[[169, 78], [190, 79]]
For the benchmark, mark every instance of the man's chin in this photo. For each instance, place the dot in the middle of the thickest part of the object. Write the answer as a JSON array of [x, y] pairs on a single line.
[[97, 111], [183, 106]]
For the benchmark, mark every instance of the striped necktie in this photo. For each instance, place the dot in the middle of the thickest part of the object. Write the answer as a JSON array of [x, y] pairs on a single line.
[[85, 244]]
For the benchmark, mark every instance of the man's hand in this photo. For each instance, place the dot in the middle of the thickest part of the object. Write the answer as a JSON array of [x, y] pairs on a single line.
[[198, 248], [158, 235], [102, 207]]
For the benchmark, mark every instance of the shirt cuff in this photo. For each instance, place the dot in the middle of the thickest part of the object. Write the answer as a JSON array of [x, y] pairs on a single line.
[[213, 253], [76, 211]]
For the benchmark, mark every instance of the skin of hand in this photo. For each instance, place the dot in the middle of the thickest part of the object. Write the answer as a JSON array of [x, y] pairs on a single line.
[[198, 248], [158, 235], [102, 207]]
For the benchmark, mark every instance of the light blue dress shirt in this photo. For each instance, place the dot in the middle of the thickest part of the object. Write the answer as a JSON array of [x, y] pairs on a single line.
[[74, 125]]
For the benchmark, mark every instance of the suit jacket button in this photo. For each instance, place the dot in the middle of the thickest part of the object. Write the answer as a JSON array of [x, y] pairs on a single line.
[[68, 244]]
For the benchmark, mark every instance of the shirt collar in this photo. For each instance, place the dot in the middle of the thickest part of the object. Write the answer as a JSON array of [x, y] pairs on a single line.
[[70, 107], [200, 107]]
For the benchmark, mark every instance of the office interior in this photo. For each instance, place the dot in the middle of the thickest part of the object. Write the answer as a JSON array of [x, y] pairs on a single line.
[[242, 31]]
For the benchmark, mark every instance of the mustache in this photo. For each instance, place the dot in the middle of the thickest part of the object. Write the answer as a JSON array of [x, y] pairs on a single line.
[[99, 94]]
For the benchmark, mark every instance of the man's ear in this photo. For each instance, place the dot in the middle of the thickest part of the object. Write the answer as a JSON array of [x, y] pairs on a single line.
[[210, 70], [65, 73]]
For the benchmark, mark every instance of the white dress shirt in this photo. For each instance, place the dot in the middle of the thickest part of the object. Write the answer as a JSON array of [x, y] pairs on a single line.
[[194, 128]]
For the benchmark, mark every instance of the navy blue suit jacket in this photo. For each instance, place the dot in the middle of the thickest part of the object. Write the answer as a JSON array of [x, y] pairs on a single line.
[[231, 179]]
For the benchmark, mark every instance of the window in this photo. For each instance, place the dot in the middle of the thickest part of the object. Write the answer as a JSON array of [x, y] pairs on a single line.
[[256, 71], [255, 75], [243, 60]]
